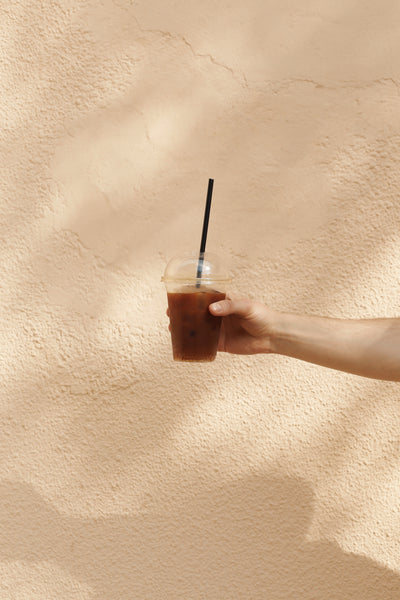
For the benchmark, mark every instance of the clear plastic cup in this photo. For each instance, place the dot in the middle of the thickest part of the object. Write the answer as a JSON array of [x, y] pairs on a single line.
[[194, 330]]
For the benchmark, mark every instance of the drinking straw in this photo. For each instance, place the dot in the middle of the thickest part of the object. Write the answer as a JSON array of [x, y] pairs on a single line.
[[204, 232]]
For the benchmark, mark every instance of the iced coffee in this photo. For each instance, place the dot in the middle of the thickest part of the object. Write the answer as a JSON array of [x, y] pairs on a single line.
[[194, 330]]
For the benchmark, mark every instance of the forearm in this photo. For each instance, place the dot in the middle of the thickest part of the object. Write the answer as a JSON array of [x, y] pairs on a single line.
[[370, 348]]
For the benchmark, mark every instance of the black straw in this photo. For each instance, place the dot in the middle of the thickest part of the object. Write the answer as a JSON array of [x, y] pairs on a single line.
[[205, 229]]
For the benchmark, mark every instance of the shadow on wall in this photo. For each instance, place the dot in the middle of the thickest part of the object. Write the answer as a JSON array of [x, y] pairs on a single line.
[[246, 540]]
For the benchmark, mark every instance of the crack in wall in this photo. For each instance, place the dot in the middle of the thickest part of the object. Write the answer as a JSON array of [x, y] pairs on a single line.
[[241, 80], [280, 84]]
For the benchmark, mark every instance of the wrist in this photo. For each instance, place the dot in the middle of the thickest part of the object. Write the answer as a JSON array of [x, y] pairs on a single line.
[[268, 341], [275, 332]]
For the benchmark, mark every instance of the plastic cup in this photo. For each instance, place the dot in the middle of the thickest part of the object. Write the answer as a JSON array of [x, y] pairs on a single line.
[[194, 330]]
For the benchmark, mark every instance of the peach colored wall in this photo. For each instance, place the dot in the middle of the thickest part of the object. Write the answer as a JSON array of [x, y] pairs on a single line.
[[124, 475]]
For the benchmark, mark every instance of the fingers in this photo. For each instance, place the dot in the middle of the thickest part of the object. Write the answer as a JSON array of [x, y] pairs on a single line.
[[241, 307]]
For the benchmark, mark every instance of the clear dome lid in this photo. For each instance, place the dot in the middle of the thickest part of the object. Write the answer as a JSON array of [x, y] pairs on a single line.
[[189, 267]]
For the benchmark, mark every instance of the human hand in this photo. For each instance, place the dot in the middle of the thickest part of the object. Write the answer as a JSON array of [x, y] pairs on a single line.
[[246, 326]]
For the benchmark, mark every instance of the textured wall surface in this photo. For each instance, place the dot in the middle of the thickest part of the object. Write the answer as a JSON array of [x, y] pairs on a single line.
[[124, 475]]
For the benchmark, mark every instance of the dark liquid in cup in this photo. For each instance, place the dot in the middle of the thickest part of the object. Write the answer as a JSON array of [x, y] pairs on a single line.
[[194, 330]]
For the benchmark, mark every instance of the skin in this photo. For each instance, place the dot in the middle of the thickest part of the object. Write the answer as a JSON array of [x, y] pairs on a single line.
[[369, 347]]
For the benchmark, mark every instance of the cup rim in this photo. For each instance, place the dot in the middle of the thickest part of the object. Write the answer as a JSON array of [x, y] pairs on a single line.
[[196, 279]]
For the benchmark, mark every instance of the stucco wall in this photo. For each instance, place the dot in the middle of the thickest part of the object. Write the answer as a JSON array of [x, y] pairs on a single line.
[[124, 475]]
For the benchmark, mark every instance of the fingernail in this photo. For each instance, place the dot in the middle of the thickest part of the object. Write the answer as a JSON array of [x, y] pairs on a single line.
[[217, 308]]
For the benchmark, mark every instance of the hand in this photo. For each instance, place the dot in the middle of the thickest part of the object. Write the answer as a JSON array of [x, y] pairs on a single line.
[[246, 326]]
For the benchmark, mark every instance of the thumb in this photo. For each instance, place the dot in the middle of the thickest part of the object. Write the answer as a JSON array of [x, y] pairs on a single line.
[[242, 307]]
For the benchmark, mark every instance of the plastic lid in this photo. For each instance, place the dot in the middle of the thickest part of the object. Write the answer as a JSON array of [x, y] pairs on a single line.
[[184, 267]]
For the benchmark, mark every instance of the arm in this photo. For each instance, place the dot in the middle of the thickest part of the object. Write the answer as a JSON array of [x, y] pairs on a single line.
[[369, 347]]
